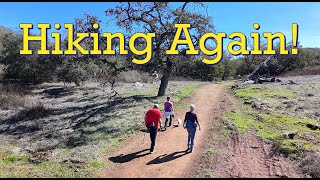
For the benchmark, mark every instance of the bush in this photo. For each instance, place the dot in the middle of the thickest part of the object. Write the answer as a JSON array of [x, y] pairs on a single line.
[[34, 72], [73, 73]]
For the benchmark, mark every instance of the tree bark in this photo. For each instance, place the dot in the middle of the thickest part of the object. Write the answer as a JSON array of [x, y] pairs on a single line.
[[165, 78]]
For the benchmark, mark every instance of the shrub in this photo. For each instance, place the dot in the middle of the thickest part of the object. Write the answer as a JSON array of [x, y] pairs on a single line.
[[73, 73]]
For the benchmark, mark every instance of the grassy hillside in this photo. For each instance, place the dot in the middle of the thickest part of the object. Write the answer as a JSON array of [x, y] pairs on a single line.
[[62, 131]]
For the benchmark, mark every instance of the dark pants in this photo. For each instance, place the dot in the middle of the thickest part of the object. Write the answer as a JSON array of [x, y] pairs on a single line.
[[167, 119], [191, 135], [153, 135]]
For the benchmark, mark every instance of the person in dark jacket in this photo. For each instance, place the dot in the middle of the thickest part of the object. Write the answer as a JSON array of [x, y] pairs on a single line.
[[191, 123]]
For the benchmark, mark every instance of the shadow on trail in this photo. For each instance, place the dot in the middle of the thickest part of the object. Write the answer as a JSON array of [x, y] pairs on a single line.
[[166, 158], [129, 157]]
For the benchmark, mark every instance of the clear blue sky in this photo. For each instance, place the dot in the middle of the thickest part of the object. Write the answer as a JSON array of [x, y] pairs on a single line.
[[227, 16]]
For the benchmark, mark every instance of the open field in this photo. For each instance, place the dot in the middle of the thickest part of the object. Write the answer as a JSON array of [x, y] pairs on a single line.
[[58, 130]]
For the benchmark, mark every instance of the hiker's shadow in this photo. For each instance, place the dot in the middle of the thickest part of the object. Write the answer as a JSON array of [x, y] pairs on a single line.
[[129, 157], [166, 158]]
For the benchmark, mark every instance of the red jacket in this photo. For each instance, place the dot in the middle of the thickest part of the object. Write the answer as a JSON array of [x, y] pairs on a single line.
[[153, 115]]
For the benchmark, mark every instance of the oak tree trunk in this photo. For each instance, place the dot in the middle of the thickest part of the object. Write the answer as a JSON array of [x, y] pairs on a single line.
[[165, 78]]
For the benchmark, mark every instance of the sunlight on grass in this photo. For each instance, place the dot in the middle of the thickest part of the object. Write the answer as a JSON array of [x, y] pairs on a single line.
[[241, 121], [112, 129], [273, 126], [255, 91]]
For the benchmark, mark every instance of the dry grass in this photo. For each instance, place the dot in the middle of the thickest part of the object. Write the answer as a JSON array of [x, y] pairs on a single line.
[[1, 71], [35, 112], [11, 97], [311, 165], [312, 70], [135, 76], [77, 123]]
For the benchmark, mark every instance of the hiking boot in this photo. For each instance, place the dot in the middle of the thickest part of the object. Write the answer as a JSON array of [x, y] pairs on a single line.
[[153, 149]]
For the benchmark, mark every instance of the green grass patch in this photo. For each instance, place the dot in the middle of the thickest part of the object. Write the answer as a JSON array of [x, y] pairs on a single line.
[[58, 170], [274, 127], [242, 121], [96, 164], [275, 122], [15, 158], [255, 91], [95, 136], [211, 152], [18, 166], [114, 142], [185, 91], [271, 126]]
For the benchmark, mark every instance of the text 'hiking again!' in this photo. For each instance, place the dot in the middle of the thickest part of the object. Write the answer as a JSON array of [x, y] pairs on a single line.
[[73, 45]]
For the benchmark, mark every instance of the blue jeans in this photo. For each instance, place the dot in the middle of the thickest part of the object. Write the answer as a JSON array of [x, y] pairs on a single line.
[[191, 135]]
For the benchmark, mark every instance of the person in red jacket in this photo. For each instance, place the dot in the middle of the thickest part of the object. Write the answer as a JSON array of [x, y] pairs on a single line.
[[152, 121]]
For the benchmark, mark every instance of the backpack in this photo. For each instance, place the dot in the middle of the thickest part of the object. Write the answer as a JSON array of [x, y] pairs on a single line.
[[191, 124]]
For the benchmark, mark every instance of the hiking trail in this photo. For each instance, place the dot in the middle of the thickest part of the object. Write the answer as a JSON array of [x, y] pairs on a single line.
[[133, 158]]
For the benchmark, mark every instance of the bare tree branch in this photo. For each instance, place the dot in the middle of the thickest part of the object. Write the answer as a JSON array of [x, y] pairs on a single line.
[[184, 6]]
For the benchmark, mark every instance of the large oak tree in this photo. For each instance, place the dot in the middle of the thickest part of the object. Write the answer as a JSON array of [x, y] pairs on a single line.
[[160, 18]]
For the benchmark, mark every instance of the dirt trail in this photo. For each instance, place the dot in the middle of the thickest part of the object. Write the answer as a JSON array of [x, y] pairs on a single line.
[[250, 157], [170, 160]]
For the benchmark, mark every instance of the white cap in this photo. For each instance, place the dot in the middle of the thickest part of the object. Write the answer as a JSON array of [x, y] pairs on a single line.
[[192, 107], [156, 106]]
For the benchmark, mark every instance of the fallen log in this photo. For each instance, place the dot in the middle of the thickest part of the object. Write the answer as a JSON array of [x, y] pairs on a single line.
[[261, 74], [261, 80], [263, 69]]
